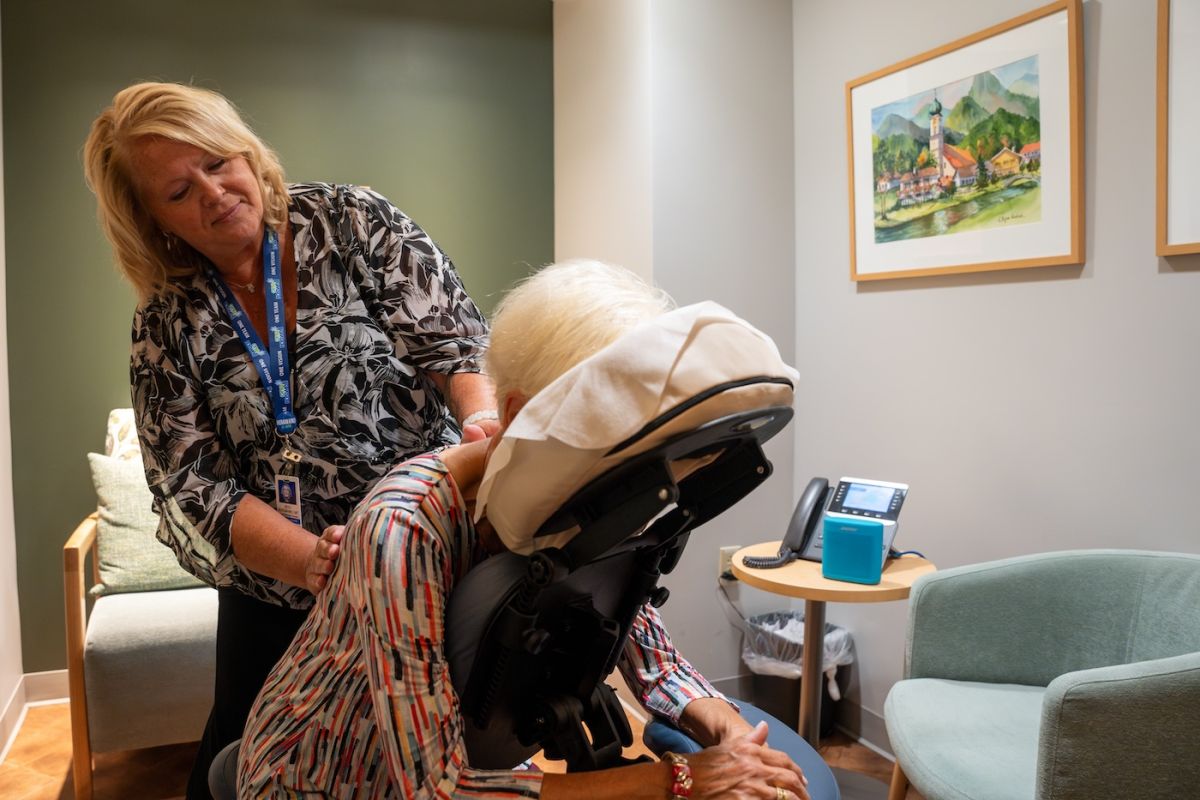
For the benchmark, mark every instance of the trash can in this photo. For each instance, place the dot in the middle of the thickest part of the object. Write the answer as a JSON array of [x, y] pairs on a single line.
[[773, 651]]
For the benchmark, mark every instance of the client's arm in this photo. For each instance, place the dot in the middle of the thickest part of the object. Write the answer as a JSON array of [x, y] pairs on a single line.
[[671, 687]]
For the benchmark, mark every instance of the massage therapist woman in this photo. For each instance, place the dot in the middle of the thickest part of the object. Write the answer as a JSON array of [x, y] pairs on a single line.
[[292, 342]]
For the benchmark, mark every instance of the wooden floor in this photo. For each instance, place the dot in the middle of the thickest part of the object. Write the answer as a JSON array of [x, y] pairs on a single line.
[[38, 766]]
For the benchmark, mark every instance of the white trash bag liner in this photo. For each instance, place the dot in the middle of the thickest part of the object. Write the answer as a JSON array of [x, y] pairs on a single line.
[[773, 644]]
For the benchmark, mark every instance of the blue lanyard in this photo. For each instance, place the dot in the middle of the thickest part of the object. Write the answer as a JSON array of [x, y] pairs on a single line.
[[271, 363]]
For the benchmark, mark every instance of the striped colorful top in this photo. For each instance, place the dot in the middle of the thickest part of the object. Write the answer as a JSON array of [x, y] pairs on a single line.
[[361, 704]]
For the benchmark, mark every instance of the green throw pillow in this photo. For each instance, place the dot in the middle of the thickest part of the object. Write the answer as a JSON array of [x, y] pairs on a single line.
[[131, 559]]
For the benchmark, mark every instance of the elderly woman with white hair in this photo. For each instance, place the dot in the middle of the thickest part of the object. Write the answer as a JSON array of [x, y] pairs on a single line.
[[362, 703]]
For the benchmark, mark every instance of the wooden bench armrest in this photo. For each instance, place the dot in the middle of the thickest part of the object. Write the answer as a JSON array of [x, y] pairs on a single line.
[[75, 552], [81, 542], [83, 538]]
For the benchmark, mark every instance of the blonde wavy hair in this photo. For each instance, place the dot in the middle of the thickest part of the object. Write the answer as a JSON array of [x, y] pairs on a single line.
[[561, 315], [187, 114]]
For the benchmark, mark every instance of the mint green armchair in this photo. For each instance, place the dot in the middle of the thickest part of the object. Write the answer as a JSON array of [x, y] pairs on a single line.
[[1059, 676]]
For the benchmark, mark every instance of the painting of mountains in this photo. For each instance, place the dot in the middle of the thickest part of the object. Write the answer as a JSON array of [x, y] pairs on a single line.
[[964, 156]]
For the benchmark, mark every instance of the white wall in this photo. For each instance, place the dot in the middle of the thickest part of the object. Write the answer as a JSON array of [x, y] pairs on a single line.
[[673, 132], [723, 213], [602, 145], [1032, 410], [10, 621]]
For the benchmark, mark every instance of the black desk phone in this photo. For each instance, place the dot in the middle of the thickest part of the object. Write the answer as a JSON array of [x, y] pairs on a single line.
[[851, 497]]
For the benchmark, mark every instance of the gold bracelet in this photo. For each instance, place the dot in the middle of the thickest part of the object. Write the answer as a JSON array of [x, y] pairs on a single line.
[[681, 776]]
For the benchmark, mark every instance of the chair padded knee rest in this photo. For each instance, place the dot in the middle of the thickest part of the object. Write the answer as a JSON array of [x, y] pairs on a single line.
[[966, 740], [150, 656]]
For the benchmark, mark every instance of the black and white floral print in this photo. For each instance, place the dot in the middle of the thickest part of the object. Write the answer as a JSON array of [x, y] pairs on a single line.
[[379, 306]]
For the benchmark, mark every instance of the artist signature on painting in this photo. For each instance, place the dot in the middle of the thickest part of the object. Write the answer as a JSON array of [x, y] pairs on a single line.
[[1007, 218]]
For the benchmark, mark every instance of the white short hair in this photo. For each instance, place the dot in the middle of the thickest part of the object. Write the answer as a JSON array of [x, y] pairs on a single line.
[[561, 315]]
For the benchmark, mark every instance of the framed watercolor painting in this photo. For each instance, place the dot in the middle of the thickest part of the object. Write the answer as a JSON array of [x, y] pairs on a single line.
[[1178, 214], [970, 157]]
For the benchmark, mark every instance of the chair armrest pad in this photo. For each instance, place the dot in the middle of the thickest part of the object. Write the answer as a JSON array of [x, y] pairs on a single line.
[[83, 538], [81, 542], [1122, 731]]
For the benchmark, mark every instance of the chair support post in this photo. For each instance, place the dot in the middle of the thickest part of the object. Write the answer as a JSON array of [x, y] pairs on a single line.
[[899, 787]]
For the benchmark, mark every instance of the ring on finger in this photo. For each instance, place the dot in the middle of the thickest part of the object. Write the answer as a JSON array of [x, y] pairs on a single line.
[[781, 793]]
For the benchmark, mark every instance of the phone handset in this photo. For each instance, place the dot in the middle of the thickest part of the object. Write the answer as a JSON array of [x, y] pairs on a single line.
[[805, 521]]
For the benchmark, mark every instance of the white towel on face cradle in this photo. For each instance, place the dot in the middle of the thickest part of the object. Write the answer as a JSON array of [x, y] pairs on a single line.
[[558, 441]]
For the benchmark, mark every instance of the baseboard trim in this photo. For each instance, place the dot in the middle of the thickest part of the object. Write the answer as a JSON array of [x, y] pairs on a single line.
[[34, 688], [865, 726], [52, 686], [11, 717], [870, 746]]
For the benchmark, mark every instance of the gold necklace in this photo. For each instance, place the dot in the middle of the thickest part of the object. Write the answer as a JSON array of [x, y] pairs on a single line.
[[245, 287]]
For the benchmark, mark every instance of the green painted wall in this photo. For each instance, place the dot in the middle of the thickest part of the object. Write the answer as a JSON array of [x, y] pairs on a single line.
[[445, 107]]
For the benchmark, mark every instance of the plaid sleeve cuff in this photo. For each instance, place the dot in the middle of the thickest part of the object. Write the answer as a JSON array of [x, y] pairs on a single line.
[[662, 678], [675, 689]]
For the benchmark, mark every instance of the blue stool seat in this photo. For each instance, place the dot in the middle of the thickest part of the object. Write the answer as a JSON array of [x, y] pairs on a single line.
[[661, 737]]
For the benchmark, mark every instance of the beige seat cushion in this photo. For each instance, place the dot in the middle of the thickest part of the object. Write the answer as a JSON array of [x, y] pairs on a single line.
[[149, 665]]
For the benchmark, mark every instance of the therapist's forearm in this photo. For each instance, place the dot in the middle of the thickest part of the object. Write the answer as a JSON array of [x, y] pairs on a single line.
[[266, 543], [466, 392]]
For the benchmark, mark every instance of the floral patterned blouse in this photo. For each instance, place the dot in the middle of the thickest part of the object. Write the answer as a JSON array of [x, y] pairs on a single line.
[[379, 306]]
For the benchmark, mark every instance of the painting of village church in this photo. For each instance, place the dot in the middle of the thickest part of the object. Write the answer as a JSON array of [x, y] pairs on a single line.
[[961, 157]]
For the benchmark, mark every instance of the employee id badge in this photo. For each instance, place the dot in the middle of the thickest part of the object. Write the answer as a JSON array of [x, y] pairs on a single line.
[[287, 497]]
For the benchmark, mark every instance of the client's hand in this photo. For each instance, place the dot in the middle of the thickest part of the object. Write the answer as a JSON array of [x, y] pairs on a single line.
[[745, 768], [712, 720], [319, 565]]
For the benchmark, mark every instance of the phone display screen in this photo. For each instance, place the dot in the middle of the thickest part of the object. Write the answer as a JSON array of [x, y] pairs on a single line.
[[868, 498], [862, 498]]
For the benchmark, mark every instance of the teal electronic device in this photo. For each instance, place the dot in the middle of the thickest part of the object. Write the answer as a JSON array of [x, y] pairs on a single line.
[[856, 510], [852, 548]]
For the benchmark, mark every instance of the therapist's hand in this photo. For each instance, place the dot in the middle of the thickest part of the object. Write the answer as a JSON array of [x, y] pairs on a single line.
[[473, 433], [319, 565], [484, 429]]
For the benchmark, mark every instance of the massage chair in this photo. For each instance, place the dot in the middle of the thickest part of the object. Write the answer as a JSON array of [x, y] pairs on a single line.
[[595, 489]]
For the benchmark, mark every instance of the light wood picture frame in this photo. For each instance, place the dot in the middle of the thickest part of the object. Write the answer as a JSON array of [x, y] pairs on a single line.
[[969, 157], [1178, 159]]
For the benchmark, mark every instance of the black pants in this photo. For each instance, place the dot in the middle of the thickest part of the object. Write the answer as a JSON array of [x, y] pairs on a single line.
[[251, 636]]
